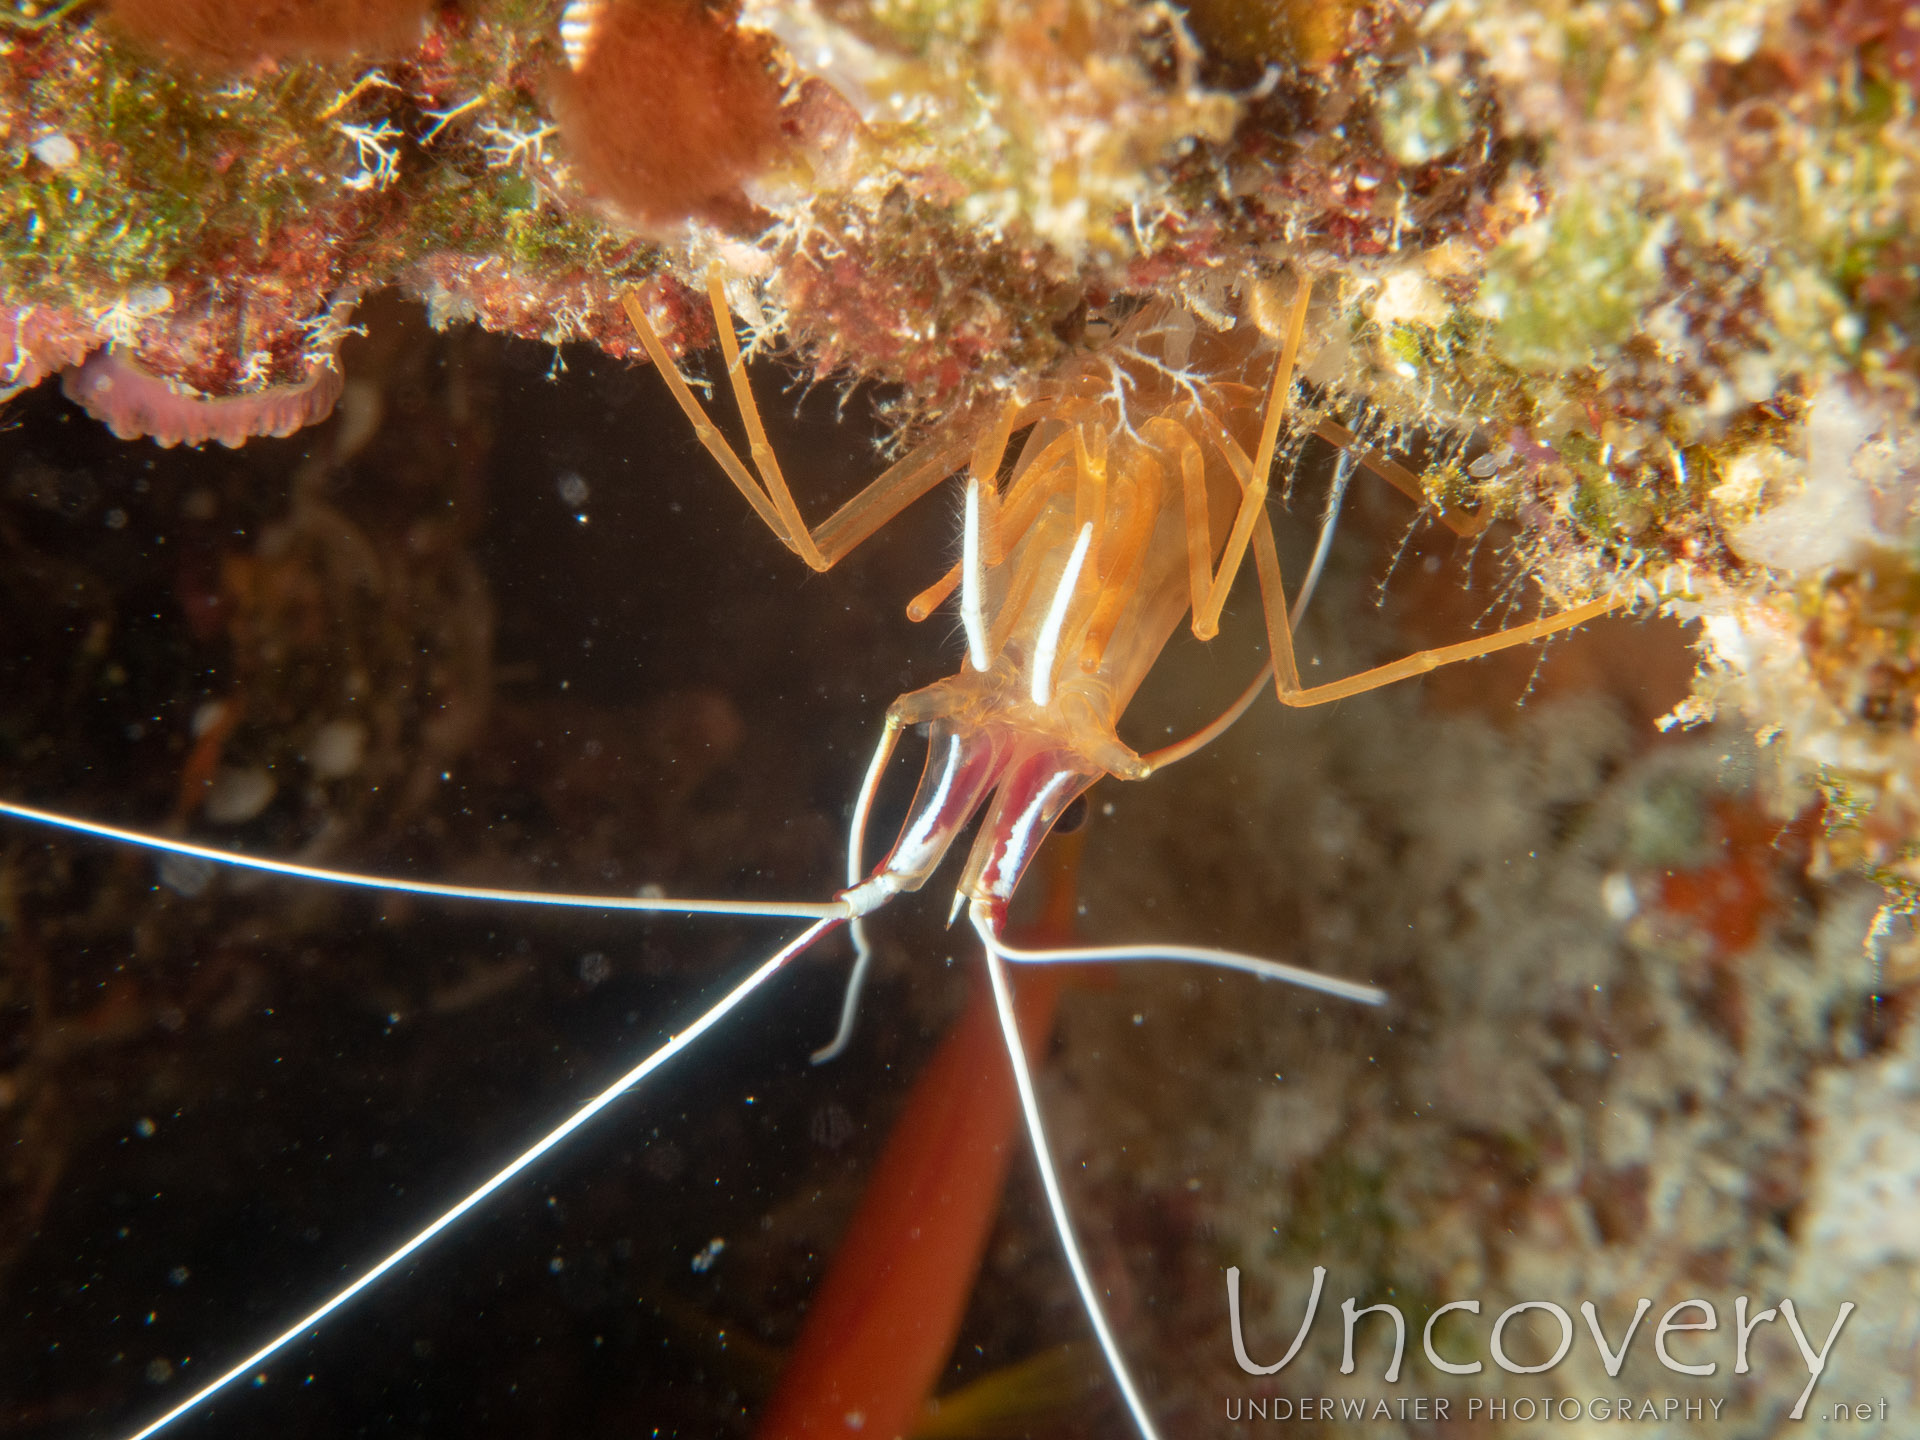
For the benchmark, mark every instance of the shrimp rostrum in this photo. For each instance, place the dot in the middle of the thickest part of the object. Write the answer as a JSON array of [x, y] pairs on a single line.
[[1136, 493]]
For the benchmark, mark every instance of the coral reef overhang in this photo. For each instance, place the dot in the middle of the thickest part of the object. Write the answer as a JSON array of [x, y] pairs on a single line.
[[1642, 285]]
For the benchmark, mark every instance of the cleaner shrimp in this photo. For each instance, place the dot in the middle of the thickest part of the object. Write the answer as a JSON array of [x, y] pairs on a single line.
[[1136, 496]]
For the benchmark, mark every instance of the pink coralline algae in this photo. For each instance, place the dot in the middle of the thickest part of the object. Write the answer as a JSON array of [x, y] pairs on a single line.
[[211, 215], [37, 341], [133, 403]]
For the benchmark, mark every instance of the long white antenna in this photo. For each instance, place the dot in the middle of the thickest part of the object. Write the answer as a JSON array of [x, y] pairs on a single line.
[[856, 872], [712, 1016], [1342, 473], [769, 909], [998, 952], [1050, 1180], [1198, 955]]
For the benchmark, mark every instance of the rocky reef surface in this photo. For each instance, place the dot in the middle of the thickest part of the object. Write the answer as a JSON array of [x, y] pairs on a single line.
[[1639, 281]]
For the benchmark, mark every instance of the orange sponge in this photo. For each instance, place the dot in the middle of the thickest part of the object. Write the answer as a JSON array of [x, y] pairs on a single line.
[[666, 108], [229, 34]]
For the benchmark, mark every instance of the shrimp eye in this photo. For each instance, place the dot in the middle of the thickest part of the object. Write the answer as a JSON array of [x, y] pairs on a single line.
[[1073, 817]]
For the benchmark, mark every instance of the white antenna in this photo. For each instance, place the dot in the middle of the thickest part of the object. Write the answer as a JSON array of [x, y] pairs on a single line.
[[1198, 955], [707, 1019], [998, 953], [856, 872], [1342, 473], [768, 909], [1050, 1182]]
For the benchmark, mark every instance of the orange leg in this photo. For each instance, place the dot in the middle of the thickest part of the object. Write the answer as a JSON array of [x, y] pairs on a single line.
[[1286, 672], [1283, 667], [1398, 476], [1251, 527], [765, 462], [1253, 499], [896, 488], [703, 428], [1193, 485]]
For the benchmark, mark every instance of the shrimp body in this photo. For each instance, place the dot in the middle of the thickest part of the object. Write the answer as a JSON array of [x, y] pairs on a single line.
[[1135, 498], [1074, 580]]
